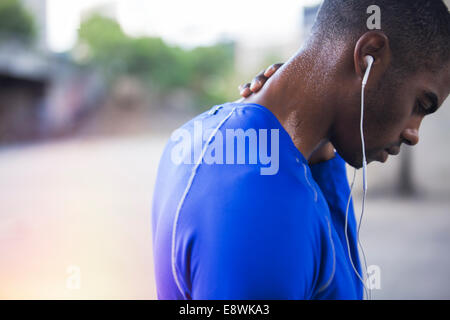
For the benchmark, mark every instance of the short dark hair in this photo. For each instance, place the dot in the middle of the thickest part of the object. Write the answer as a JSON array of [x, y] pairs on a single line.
[[418, 30]]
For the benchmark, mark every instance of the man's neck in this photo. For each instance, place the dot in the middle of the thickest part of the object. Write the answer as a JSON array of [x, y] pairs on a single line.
[[301, 98]]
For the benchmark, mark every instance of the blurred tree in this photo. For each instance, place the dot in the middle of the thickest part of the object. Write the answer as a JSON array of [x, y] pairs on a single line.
[[161, 67], [16, 22], [103, 42], [212, 68]]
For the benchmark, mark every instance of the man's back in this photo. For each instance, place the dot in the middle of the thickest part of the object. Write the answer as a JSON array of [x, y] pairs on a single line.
[[224, 228]]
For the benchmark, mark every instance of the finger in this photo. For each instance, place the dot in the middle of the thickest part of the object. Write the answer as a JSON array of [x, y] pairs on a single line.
[[258, 82], [271, 69], [245, 90]]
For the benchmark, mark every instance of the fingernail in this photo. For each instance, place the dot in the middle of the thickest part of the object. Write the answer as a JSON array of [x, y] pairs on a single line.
[[269, 71], [254, 85]]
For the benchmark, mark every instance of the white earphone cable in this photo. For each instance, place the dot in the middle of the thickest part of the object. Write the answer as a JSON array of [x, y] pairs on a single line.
[[368, 291], [346, 236]]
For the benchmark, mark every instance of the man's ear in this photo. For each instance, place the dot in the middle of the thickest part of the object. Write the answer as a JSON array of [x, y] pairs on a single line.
[[375, 44]]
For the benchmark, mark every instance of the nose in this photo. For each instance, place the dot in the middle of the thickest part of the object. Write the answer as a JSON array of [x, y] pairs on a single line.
[[410, 136]]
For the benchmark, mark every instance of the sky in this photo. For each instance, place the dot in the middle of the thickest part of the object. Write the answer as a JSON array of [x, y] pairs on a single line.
[[181, 22]]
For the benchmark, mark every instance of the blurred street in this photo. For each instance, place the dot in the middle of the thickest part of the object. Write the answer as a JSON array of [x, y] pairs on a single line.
[[78, 203]]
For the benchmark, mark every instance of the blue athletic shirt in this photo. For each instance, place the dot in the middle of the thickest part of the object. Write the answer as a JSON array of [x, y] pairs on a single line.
[[225, 231]]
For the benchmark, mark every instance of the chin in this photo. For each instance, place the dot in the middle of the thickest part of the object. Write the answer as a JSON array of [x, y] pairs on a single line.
[[356, 161], [353, 156], [357, 165], [353, 159]]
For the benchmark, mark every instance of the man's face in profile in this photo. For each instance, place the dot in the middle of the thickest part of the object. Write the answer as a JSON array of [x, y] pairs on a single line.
[[393, 112]]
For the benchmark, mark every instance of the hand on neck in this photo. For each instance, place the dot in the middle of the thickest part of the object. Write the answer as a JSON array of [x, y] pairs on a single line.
[[300, 98]]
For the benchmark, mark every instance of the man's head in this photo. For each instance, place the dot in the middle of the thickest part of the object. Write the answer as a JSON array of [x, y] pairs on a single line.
[[410, 76]]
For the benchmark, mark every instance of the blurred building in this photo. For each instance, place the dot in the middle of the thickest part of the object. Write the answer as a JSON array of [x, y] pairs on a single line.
[[38, 9], [309, 16], [42, 95], [23, 84], [258, 53]]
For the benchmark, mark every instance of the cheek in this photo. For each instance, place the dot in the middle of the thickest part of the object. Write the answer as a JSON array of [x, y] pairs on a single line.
[[386, 118]]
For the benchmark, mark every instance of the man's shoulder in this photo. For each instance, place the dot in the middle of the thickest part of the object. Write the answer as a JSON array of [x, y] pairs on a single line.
[[232, 164], [231, 133], [234, 114]]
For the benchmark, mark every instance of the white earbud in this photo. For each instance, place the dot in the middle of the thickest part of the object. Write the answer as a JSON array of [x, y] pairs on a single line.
[[369, 61]]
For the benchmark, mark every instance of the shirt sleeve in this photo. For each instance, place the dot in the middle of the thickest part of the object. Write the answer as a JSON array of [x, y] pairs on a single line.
[[263, 243]]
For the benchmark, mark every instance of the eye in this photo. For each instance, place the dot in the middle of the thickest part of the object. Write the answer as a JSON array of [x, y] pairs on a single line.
[[421, 108]]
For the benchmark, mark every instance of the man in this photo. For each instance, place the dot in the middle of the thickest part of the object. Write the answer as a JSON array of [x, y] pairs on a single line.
[[268, 222]]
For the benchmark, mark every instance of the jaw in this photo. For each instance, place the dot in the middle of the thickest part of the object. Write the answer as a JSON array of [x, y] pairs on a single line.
[[353, 159]]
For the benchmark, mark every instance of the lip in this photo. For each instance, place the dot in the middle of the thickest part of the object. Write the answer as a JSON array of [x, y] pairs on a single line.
[[393, 150], [383, 156]]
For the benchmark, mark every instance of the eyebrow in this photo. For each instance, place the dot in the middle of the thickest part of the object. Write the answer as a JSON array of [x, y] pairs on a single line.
[[434, 100]]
